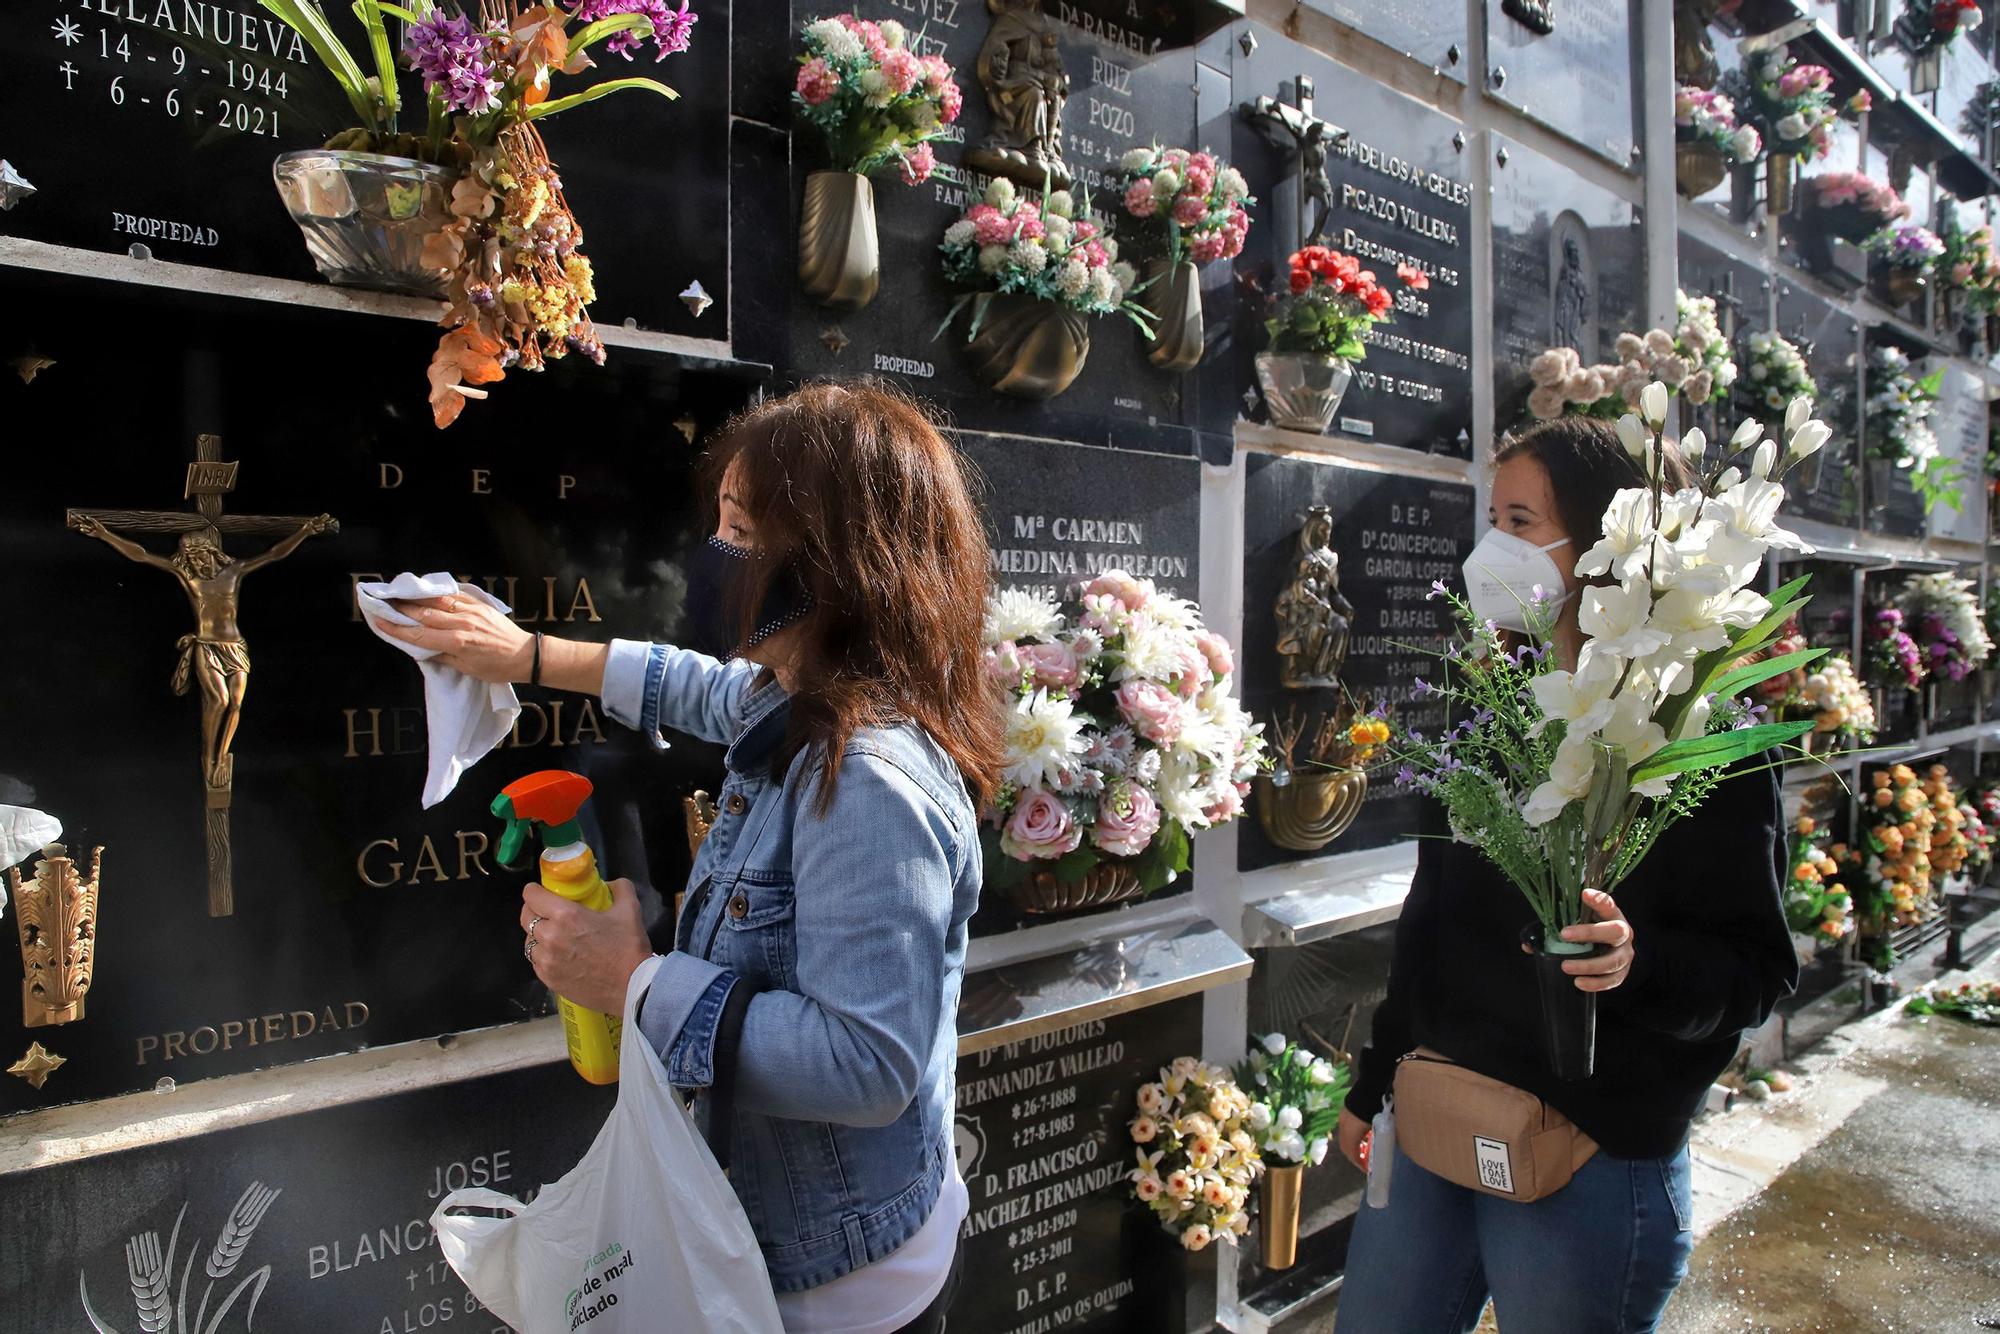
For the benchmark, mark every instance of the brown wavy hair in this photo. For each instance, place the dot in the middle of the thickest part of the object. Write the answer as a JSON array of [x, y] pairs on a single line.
[[856, 492], [1587, 466]]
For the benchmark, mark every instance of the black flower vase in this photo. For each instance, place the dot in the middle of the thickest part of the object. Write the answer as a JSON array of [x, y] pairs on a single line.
[[1569, 1014]]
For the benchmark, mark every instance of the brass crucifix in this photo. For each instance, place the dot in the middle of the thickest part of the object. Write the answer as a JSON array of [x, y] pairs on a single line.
[[214, 656]]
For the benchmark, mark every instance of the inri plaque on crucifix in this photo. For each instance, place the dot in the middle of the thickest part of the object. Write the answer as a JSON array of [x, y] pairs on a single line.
[[214, 656]]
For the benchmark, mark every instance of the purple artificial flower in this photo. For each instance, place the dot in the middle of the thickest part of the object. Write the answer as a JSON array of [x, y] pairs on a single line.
[[672, 28], [1420, 688], [1438, 590], [1406, 777], [455, 60], [1481, 718]]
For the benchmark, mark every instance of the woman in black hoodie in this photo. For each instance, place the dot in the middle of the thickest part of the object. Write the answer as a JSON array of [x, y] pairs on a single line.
[[1696, 951]]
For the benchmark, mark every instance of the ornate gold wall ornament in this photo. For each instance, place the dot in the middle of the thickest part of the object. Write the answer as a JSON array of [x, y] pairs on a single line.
[[1314, 621], [1308, 800], [1020, 67], [214, 656], [37, 1066], [56, 914]]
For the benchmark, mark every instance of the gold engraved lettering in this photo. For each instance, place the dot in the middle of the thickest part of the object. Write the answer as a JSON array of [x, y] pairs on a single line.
[[386, 484], [361, 865], [564, 484], [584, 600], [427, 859], [355, 578], [482, 481], [468, 851]]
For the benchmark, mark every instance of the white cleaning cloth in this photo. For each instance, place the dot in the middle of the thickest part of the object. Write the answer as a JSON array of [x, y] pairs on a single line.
[[466, 718], [24, 832]]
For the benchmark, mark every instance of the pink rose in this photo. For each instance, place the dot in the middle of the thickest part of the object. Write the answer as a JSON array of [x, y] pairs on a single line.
[[900, 70], [1795, 81], [817, 82], [1190, 209], [1193, 673], [1151, 709], [1139, 199], [1053, 665], [918, 164], [1133, 593], [1004, 664], [1127, 819], [1040, 828], [1221, 658], [1227, 807]]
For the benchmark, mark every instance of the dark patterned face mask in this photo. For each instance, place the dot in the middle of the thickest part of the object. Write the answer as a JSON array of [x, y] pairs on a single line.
[[717, 573]]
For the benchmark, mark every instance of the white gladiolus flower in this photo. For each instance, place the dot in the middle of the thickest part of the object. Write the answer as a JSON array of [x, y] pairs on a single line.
[[1044, 733], [1746, 435], [1808, 438], [1632, 728], [1616, 619], [1017, 613], [1581, 699], [1321, 1073], [1796, 413], [1689, 620], [1569, 780], [1764, 460], [1628, 533], [1693, 445], [1632, 434], [1653, 402], [1275, 1043]]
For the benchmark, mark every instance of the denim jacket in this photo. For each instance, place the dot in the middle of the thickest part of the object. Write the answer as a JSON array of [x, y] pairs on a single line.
[[847, 935]]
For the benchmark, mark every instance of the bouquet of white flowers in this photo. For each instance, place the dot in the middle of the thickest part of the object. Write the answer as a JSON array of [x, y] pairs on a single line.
[[1197, 1158], [1123, 738], [1296, 1099], [1567, 778]]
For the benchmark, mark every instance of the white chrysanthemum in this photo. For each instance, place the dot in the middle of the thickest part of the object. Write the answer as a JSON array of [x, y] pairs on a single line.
[[960, 233], [1231, 185], [1126, 275], [1136, 159], [1180, 790], [1103, 288], [1145, 765], [1000, 193], [893, 33], [1153, 649], [992, 258], [1072, 279], [1166, 185], [875, 88], [835, 40], [1058, 228], [1018, 613], [1029, 255], [1044, 735], [1060, 205]]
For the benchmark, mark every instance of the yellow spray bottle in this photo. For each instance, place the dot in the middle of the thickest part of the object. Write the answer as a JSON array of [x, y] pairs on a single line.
[[550, 799]]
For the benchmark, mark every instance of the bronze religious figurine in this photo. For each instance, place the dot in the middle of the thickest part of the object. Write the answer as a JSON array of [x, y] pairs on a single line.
[[1316, 140], [56, 913], [215, 656], [1694, 52], [1315, 622], [1020, 67]]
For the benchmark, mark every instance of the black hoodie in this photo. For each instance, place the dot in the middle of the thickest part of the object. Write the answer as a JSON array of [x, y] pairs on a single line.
[[1712, 955]]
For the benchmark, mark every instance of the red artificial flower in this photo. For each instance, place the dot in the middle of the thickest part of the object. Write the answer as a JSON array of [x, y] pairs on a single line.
[[1377, 301], [1413, 277], [1301, 280]]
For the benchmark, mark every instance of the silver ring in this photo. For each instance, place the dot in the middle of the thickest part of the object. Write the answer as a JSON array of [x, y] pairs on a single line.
[[528, 946]]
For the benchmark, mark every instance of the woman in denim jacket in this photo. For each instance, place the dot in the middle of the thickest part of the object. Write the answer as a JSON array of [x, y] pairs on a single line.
[[812, 992]]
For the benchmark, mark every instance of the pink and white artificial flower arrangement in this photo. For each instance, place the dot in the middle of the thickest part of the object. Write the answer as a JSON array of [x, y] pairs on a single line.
[[1046, 247], [1123, 736], [873, 99], [1175, 204], [1197, 1153]]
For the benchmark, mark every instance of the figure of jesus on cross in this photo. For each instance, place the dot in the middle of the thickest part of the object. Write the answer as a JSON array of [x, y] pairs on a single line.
[[215, 655]]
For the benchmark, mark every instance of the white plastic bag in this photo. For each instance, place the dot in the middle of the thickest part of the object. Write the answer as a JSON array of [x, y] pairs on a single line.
[[643, 1234]]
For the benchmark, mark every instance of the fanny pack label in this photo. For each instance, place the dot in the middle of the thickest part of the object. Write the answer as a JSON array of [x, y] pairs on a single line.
[[1496, 1166]]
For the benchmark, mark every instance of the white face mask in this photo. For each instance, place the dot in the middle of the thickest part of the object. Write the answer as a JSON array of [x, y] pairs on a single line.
[[1502, 574]]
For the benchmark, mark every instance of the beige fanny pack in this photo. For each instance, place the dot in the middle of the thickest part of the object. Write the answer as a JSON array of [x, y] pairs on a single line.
[[1482, 1134]]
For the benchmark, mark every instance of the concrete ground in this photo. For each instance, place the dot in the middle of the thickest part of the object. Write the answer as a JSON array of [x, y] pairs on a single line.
[[1867, 1198]]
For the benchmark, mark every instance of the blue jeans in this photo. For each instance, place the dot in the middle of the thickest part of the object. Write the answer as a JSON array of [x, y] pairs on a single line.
[[1600, 1256]]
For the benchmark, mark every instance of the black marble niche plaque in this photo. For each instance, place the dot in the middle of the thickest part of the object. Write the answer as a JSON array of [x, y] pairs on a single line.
[[1402, 195], [1131, 86], [1429, 33], [1829, 490], [158, 122], [1058, 514], [1568, 269], [1395, 536], [360, 918], [1961, 429], [1578, 78], [343, 1241], [1055, 1239]]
